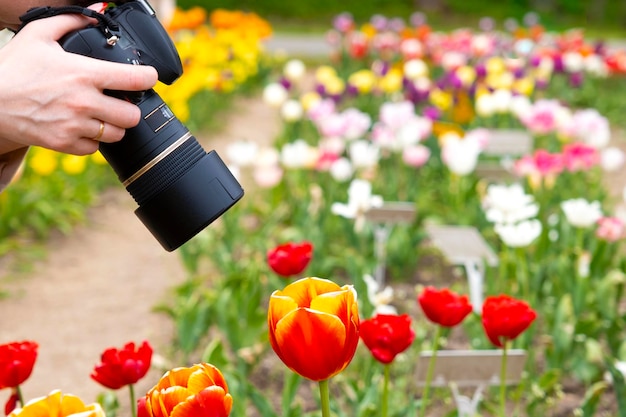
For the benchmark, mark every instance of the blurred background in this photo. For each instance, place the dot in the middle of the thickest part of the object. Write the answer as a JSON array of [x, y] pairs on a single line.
[[601, 17]]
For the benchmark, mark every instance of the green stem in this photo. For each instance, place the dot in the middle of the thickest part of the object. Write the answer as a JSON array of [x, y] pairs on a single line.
[[325, 398], [20, 396], [503, 381], [133, 403], [522, 274], [385, 399], [430, 371]]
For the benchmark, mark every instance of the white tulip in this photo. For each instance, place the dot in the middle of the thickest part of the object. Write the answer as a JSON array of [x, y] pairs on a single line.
[[415, 69], [291, 110], [294, 70], [460, 155], [275, 94], [595, 65], [573, 62], [519, 235], [298, 154], [581, 213], [612, 159], [360, 200], [485, 105], [363, 154], [508, 204], [341, 170], [242, 153], [502, 100]]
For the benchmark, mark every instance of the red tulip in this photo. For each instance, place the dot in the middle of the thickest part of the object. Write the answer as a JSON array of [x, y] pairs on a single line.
[[142, 410], [290, 258], [121, 367], [314, 327], [505, 318], [387, 335], [17, 360], [11, 403], [444, 307]]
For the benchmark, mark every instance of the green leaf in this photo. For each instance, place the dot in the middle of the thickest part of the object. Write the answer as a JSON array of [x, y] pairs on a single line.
[[290, 388], [619, 386], [109, 402], [214, 354], [260, 401], [592, 398]]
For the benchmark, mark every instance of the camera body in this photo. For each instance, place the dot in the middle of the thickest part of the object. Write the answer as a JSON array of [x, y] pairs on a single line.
[[180, 188]]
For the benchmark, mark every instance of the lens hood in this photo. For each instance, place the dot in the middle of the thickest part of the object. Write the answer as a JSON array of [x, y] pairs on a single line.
[[194, 201]]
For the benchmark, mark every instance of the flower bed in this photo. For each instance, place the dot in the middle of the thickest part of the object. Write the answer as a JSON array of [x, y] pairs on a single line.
[[405, 114], [402, 113]]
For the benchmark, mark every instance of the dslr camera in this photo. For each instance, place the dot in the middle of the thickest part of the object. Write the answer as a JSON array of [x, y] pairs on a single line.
[[179, 188]]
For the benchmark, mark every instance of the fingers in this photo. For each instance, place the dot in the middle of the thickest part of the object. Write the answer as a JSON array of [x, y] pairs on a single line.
[[54, 28], [57, 26], [105, 132], [122, 77], [107, 75], [82, 146]]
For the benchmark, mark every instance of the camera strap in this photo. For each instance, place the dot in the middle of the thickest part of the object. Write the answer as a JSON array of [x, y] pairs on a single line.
[[107, 24]]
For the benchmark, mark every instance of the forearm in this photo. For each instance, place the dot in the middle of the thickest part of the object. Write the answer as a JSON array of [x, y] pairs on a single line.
[[8, 146], [9, 164]]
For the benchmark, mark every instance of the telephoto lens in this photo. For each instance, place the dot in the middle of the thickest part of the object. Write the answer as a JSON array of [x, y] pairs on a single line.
[[180, 189]]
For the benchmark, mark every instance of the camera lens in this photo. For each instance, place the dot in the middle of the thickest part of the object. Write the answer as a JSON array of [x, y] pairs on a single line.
[[180, 189]]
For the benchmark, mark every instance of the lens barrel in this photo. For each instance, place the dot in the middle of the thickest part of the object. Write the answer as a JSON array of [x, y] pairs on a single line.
[[180, 189]]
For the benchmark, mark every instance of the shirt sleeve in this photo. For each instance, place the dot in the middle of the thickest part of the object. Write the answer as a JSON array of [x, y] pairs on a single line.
[[9, 164]]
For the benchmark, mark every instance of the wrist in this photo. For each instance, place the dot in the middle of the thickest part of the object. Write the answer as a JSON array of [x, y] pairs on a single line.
[[7, 146]]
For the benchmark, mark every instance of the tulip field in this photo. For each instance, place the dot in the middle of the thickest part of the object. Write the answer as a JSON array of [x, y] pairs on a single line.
[[299, 302]]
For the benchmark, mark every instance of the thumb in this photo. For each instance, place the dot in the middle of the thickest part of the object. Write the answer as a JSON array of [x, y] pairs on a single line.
[[54, 28]]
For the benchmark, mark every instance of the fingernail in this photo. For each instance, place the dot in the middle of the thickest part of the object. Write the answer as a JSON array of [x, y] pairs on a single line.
[[99, 7]]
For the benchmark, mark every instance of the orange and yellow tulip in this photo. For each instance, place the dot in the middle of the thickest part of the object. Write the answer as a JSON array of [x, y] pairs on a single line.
[[314, 327], [199, 390]]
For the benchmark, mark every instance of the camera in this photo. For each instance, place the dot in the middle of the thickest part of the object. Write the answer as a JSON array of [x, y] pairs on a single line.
[[179, 187]]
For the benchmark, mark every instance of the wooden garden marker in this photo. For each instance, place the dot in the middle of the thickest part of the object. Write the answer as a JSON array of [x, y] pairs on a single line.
[[464, 246], [384, 218], [508, 142], [470, 368], [504, 144]]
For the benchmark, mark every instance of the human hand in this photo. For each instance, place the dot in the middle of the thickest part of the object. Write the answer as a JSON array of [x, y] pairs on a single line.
[[54, 99]]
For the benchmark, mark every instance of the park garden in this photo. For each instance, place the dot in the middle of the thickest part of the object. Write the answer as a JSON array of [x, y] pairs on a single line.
[[432, 192]]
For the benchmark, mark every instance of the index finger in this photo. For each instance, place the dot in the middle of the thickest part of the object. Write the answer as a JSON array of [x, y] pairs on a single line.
[[122, 77]]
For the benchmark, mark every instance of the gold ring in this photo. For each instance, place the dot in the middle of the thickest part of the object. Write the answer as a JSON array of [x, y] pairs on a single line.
[[100, 132]]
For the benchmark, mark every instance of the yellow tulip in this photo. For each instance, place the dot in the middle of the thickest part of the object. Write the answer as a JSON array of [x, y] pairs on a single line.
[[57, 404], [524, 86], [43, 161], [363, 80], [392, 81], [98, 158], [324, 73], [440, 99], [73, 164], [466, 74], [309, 99], [495, 65], [335, 86]]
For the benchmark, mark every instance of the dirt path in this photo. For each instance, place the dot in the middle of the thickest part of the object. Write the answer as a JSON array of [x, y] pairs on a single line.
[[96, 288]]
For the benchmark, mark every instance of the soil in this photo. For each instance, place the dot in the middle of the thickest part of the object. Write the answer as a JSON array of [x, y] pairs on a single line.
[[97, 287]]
